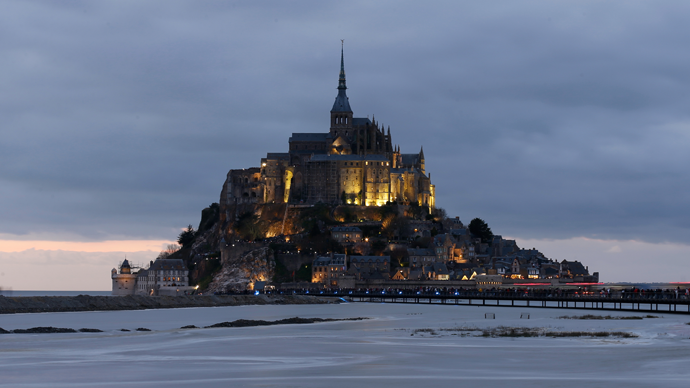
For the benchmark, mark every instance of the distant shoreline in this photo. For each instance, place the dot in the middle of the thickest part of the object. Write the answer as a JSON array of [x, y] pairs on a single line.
[[44, 304], [25, 293]]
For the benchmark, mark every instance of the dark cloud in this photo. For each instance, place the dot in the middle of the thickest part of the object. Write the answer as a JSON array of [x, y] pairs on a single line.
[[553, 120]]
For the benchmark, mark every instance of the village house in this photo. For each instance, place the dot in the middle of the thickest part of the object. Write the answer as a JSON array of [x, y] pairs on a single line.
[[346, 234], [161, 277], [370, 267], [329, 270], [419, 257]]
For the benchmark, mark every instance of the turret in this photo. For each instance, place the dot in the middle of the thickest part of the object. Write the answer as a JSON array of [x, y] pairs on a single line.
[[125, 268]]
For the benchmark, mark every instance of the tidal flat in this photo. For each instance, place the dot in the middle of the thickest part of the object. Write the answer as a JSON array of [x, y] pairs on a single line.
[[397, 346]]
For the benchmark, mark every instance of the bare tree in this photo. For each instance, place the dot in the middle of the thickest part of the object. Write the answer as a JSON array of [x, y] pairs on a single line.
[[399, 256], [440, 214], [362, 248], [169, 250]]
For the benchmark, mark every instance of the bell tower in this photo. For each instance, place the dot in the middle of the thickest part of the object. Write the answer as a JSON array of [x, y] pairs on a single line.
[[341, 114]]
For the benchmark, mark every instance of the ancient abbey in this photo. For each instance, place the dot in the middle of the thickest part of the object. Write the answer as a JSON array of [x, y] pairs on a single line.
[[355, 162]]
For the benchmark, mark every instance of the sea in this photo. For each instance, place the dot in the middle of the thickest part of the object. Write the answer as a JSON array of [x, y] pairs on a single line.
[[397, 345], [53, 293]]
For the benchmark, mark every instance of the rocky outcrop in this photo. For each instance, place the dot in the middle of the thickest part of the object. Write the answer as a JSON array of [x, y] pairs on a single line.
[[44, 330], [36, 304], [238, 272], [286, 321], [206, 242]]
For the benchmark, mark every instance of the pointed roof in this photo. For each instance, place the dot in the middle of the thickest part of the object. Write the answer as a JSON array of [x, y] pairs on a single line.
[[421, 153], [341, 104]]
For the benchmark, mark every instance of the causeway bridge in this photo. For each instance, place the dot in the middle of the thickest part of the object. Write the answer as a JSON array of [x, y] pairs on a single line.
[[661, 302]]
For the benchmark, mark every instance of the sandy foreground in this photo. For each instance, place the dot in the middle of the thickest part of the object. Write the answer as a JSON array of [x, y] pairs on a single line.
[[400, 346]]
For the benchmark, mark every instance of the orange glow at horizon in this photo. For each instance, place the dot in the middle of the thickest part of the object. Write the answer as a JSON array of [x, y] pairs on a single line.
[[91, 246]]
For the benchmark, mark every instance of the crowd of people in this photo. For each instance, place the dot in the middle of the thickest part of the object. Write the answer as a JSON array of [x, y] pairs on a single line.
[[508, 293]]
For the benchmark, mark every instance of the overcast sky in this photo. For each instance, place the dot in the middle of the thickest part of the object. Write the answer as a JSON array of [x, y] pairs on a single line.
[[552, 121]]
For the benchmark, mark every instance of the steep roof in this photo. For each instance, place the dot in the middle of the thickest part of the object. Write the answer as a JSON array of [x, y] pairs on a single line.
[[310, 137], [576, 268], [338, 259], [459, 232], [322, 260], [167, 264], [326, 158], [420, 252], [278, 156], [358, 121], [346, 229], [370, 259], [440, 269]]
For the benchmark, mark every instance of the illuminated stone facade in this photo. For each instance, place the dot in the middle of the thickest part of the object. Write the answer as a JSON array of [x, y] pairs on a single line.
[[124, 282], [354, 163], [162, 277], [330, 271]]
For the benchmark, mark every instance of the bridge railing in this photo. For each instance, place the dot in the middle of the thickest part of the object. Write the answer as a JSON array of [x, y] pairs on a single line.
[[661, 296]]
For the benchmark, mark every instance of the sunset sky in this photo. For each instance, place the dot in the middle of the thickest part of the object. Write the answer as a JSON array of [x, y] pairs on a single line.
[[564, 125]]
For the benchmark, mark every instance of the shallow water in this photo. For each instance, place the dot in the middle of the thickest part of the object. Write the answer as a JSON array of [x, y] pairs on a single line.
[[54, 293], [384, 351]]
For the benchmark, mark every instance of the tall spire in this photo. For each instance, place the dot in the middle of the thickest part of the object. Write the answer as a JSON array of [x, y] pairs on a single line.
[[341, 101], [341, 79]]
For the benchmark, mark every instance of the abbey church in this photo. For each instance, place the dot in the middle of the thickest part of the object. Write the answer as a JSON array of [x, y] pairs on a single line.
[[355, 162]]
